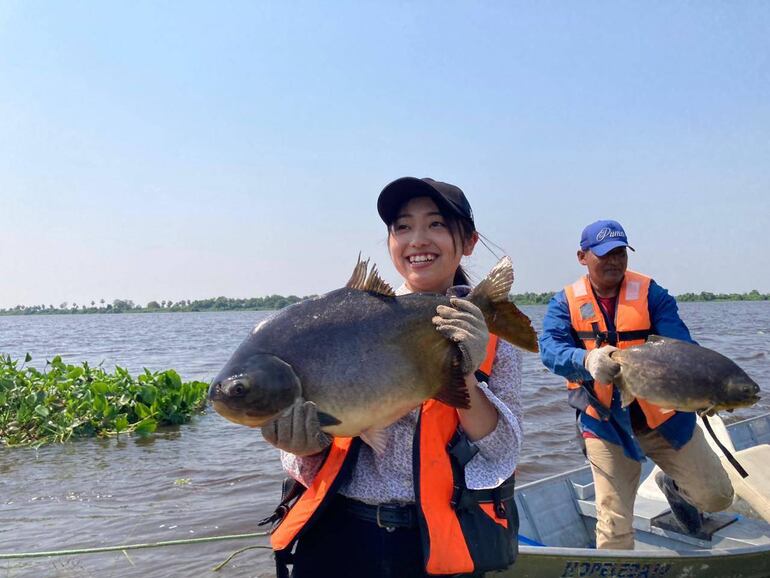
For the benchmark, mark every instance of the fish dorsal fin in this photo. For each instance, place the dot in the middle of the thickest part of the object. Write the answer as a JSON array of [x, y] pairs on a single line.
[[497, 284], [364, 280]]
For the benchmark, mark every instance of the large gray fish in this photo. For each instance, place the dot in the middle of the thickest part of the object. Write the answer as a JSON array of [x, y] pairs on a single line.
[[365, 356], [682, 376]]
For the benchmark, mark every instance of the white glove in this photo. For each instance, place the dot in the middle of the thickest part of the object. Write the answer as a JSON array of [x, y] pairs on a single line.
[[297, 430], [600, 365], [464, 324]]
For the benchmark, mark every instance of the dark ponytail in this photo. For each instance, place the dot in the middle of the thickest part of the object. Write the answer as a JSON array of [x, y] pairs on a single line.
[[461, 277]]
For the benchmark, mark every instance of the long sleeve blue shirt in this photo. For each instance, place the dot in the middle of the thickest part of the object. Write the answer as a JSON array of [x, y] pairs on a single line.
[[562, 352]]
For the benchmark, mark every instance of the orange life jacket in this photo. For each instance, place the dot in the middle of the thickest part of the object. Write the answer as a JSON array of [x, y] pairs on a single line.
[[632, 326], [448, 550]]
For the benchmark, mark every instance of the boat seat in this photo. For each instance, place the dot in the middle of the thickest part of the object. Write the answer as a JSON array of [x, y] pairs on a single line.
[[650, 490], [755, 489]]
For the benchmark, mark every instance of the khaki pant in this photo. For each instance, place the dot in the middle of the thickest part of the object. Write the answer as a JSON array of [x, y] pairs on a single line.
[[695, 468]]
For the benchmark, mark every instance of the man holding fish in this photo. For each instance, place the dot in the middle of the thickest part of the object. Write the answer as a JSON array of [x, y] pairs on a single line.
[[594, 335]]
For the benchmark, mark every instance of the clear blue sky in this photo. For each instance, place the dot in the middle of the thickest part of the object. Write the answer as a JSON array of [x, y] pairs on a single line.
[[169, 150]]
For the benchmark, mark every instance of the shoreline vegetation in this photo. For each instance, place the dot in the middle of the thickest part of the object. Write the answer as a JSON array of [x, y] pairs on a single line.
[[274, 302], [66, 401]]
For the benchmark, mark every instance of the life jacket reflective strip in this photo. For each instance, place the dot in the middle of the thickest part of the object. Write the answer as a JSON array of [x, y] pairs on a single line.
[[632, 325], [447, 551]]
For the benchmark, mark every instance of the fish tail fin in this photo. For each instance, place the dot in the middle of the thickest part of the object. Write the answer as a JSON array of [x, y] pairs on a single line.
[[503, 318]]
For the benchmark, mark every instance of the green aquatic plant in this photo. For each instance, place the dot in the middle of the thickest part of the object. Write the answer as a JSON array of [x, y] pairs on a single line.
[[64, 401]]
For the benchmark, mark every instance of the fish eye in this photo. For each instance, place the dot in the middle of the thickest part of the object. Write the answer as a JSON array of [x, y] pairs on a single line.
[[750, 388], [238, 389]]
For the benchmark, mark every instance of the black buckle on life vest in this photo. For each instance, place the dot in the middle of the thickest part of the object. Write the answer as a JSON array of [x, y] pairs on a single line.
[[291, 490], [462, 498], [497, 500], [602, 337], [461, 448], [457, 493]]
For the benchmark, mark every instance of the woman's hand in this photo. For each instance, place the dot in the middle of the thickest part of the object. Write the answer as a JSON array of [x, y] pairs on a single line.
[[464, 324], [297, 430]]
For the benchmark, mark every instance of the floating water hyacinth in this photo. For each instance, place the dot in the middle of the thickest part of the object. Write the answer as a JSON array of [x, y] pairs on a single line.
[[65, 401]]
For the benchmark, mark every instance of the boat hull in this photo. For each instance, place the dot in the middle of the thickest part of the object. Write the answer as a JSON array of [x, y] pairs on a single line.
[[560, 511], [549, 562]]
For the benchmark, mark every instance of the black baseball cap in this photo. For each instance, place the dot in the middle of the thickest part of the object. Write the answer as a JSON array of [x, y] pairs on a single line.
[[446, 196]]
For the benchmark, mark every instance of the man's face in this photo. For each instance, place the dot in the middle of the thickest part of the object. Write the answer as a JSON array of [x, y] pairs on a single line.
[[605, 273]]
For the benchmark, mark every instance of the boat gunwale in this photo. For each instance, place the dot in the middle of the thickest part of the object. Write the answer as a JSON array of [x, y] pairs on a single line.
[[637, 554]]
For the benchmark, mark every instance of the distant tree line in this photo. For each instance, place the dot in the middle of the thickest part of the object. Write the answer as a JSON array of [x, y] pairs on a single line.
[[753, 295], [532, 298], [272, 302]]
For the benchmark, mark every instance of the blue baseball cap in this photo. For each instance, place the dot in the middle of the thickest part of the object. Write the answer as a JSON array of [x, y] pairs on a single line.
[[602, 237]]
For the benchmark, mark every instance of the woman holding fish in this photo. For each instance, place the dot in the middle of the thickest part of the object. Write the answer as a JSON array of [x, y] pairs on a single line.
[[430, 492], [599, 324]]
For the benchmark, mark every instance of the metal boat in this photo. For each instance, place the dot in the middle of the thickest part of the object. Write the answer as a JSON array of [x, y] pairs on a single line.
[[558, 518]]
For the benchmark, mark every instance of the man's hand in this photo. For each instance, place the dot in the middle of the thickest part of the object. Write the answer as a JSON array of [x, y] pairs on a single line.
[[297, 430], [600, 365], [464, 324]]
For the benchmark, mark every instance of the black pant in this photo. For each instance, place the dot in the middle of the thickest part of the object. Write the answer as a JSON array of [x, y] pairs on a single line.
[[340, 545]]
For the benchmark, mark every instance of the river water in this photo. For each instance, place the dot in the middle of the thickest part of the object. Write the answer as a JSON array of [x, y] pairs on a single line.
[[211, 477]]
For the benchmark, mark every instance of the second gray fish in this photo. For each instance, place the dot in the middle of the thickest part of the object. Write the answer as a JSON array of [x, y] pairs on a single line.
[[682, 376]]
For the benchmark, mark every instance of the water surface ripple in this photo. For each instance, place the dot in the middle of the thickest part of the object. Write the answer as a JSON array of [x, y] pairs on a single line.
[[211, 477]]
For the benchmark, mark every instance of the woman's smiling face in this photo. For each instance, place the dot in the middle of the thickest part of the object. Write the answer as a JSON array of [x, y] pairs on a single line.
[[423, 249]]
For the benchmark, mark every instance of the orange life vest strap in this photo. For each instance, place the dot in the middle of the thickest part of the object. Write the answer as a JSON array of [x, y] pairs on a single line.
[[489, 359], [283, 536], [447, 550]]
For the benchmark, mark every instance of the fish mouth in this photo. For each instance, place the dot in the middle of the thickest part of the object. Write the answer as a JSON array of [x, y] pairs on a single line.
[[730, 406], [241, 416]]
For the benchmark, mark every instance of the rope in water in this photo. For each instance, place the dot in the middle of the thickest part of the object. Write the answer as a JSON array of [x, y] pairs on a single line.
[[101, 549]]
